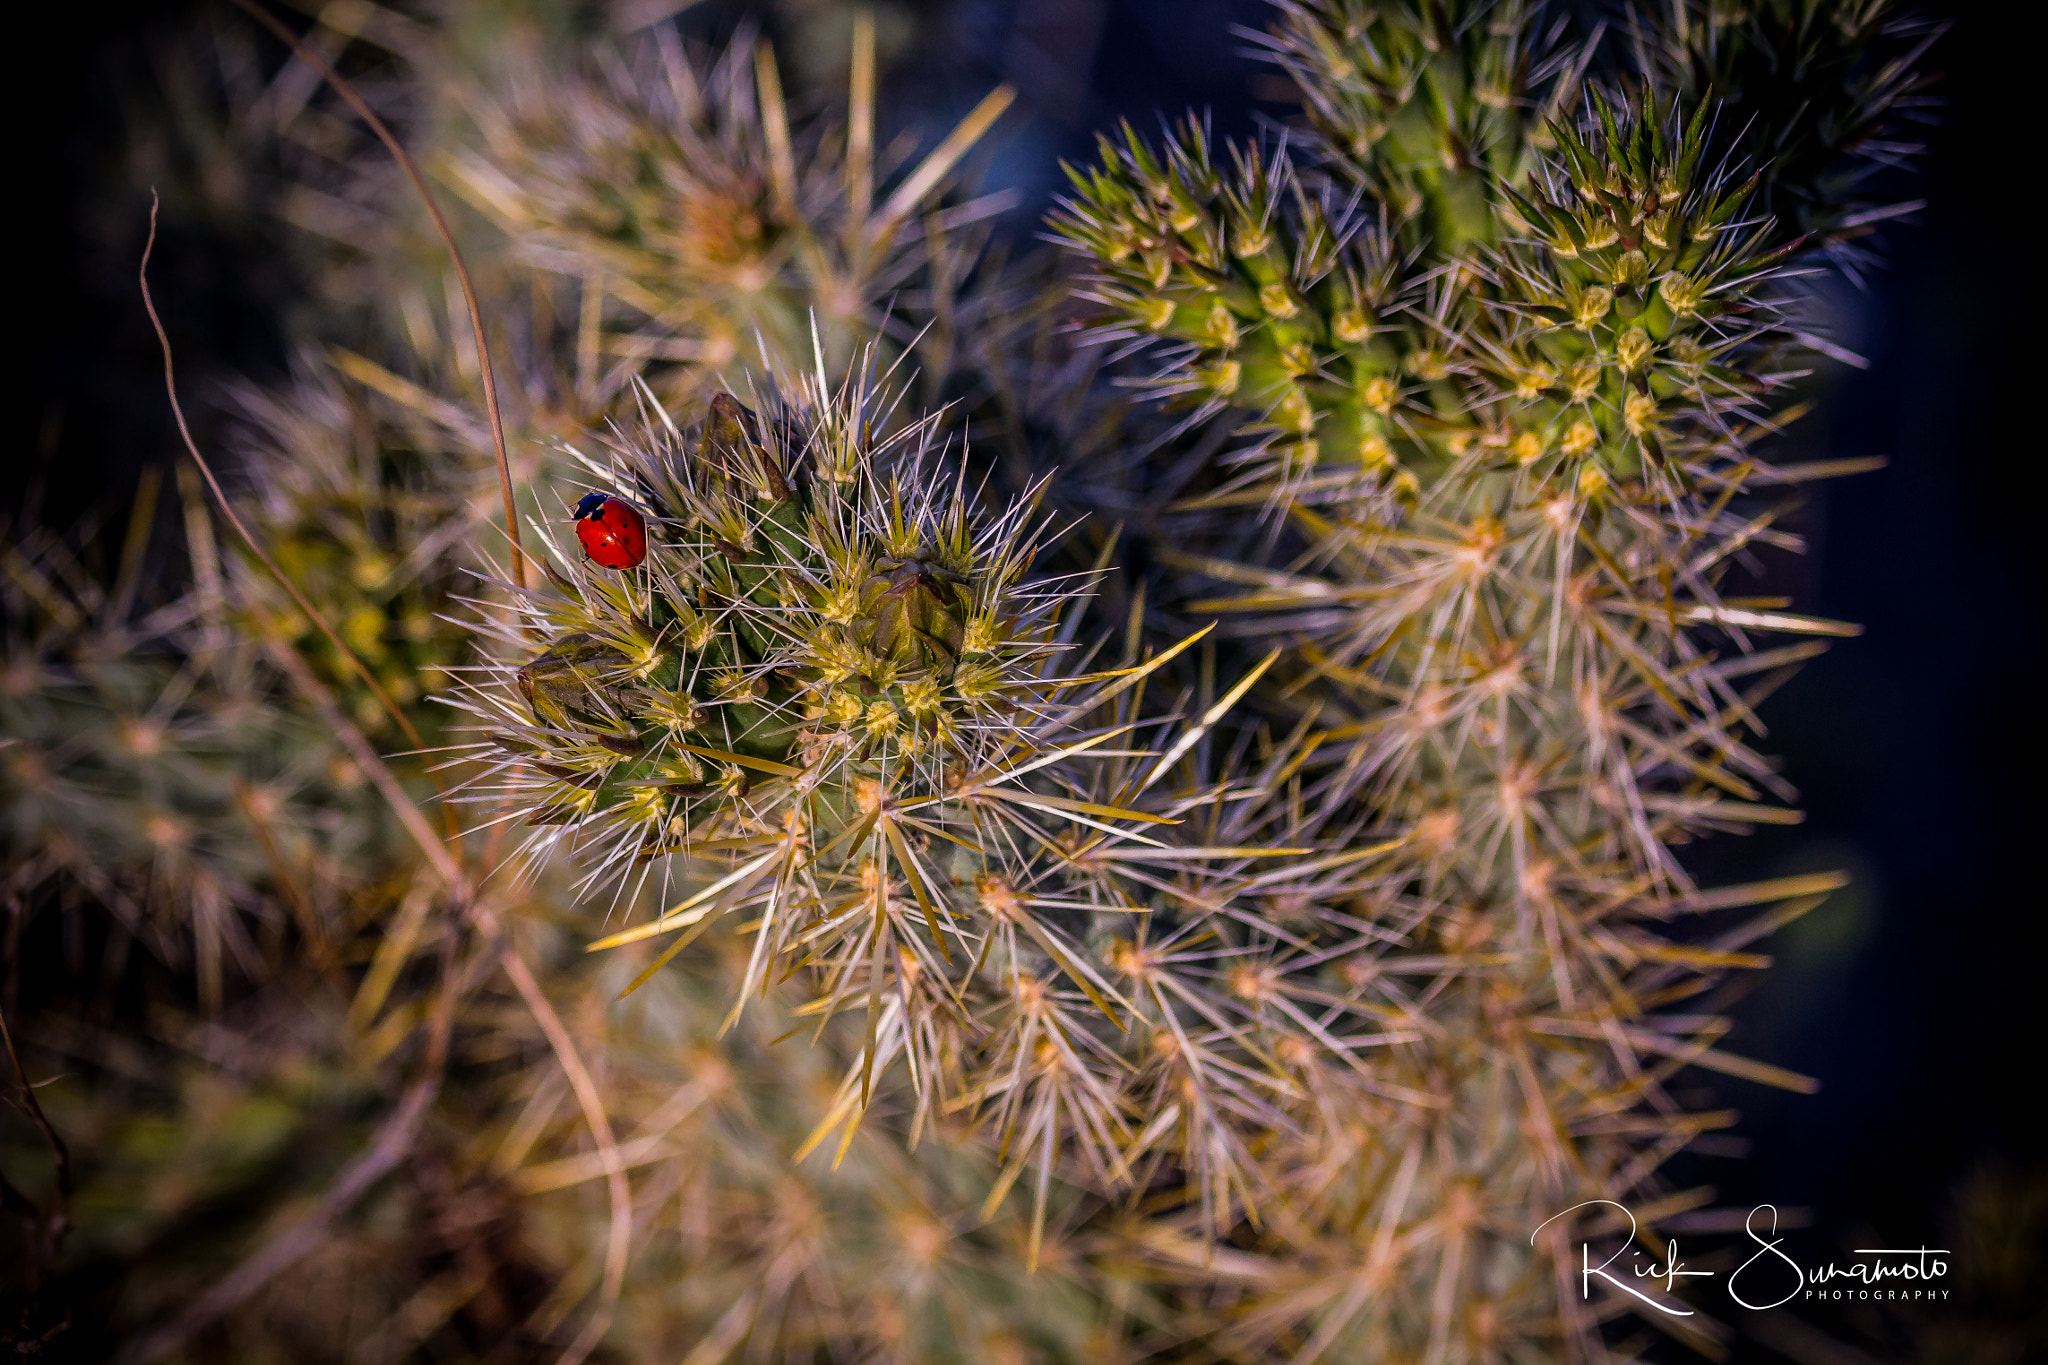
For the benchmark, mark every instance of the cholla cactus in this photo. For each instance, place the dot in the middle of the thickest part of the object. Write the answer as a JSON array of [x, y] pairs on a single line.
[[144, 769], [1426, 105], [364, 490], [830, 696], [828, 660], [214, 1135], [1512, 425], [368, 505], [704, 225]]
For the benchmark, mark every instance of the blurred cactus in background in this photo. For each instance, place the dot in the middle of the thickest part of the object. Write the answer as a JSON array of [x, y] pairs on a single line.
[[702, 224], [1297, 921]]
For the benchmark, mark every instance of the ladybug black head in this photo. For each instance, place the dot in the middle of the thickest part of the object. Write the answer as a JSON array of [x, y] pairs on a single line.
[[588, 507]]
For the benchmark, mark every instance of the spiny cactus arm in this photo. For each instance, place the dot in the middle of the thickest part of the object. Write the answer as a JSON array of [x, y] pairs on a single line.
[[1374, 366], [1279, 302], [1551, 693], [830, 667], [1530, 677], [1830, 88], [944, 847], [1428, 105], [1631, 312], [1131, 1031]]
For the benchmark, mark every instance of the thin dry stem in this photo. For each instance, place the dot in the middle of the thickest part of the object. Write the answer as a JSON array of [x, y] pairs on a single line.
[[592, 1103], [59, 1221], [228, 509], [419, 183]]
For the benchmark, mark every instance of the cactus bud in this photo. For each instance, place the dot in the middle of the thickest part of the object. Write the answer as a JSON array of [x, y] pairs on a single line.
[[1682, 293], [914, 614], [1220, 330], [1155, 313], [1534, 381], [1380, 393], [1639, 413], [1293, 411], [1222, 378], [1582, 381]]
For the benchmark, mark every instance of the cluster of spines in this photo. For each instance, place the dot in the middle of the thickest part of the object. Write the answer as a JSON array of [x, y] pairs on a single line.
[[808, 623], [1829, 90], [362, 502], [1013, 900], [1636, 310], [144, 769]]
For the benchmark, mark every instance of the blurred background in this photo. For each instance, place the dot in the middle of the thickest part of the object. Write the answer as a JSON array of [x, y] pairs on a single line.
[[1920, 747]]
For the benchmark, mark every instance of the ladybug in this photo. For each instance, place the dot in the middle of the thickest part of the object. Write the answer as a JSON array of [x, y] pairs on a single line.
[[612, 531]]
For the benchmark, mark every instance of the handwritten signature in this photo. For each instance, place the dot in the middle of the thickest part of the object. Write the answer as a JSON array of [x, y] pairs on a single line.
[[1887, 1263]]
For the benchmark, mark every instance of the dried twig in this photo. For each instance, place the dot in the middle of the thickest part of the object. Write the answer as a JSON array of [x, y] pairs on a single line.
[[49, 1231], [397, 1134], [419, 183], [228, 508], [592, 1104]]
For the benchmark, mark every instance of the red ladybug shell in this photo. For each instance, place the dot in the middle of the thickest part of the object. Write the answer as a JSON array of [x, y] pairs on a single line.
[[612, 530]]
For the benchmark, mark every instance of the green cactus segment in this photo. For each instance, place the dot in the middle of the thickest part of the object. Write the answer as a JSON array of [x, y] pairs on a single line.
[[1426, 104], [802, 624], [359, 500], [1637, 302], [1585, 343], [1532, 661], [1281, 304]]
